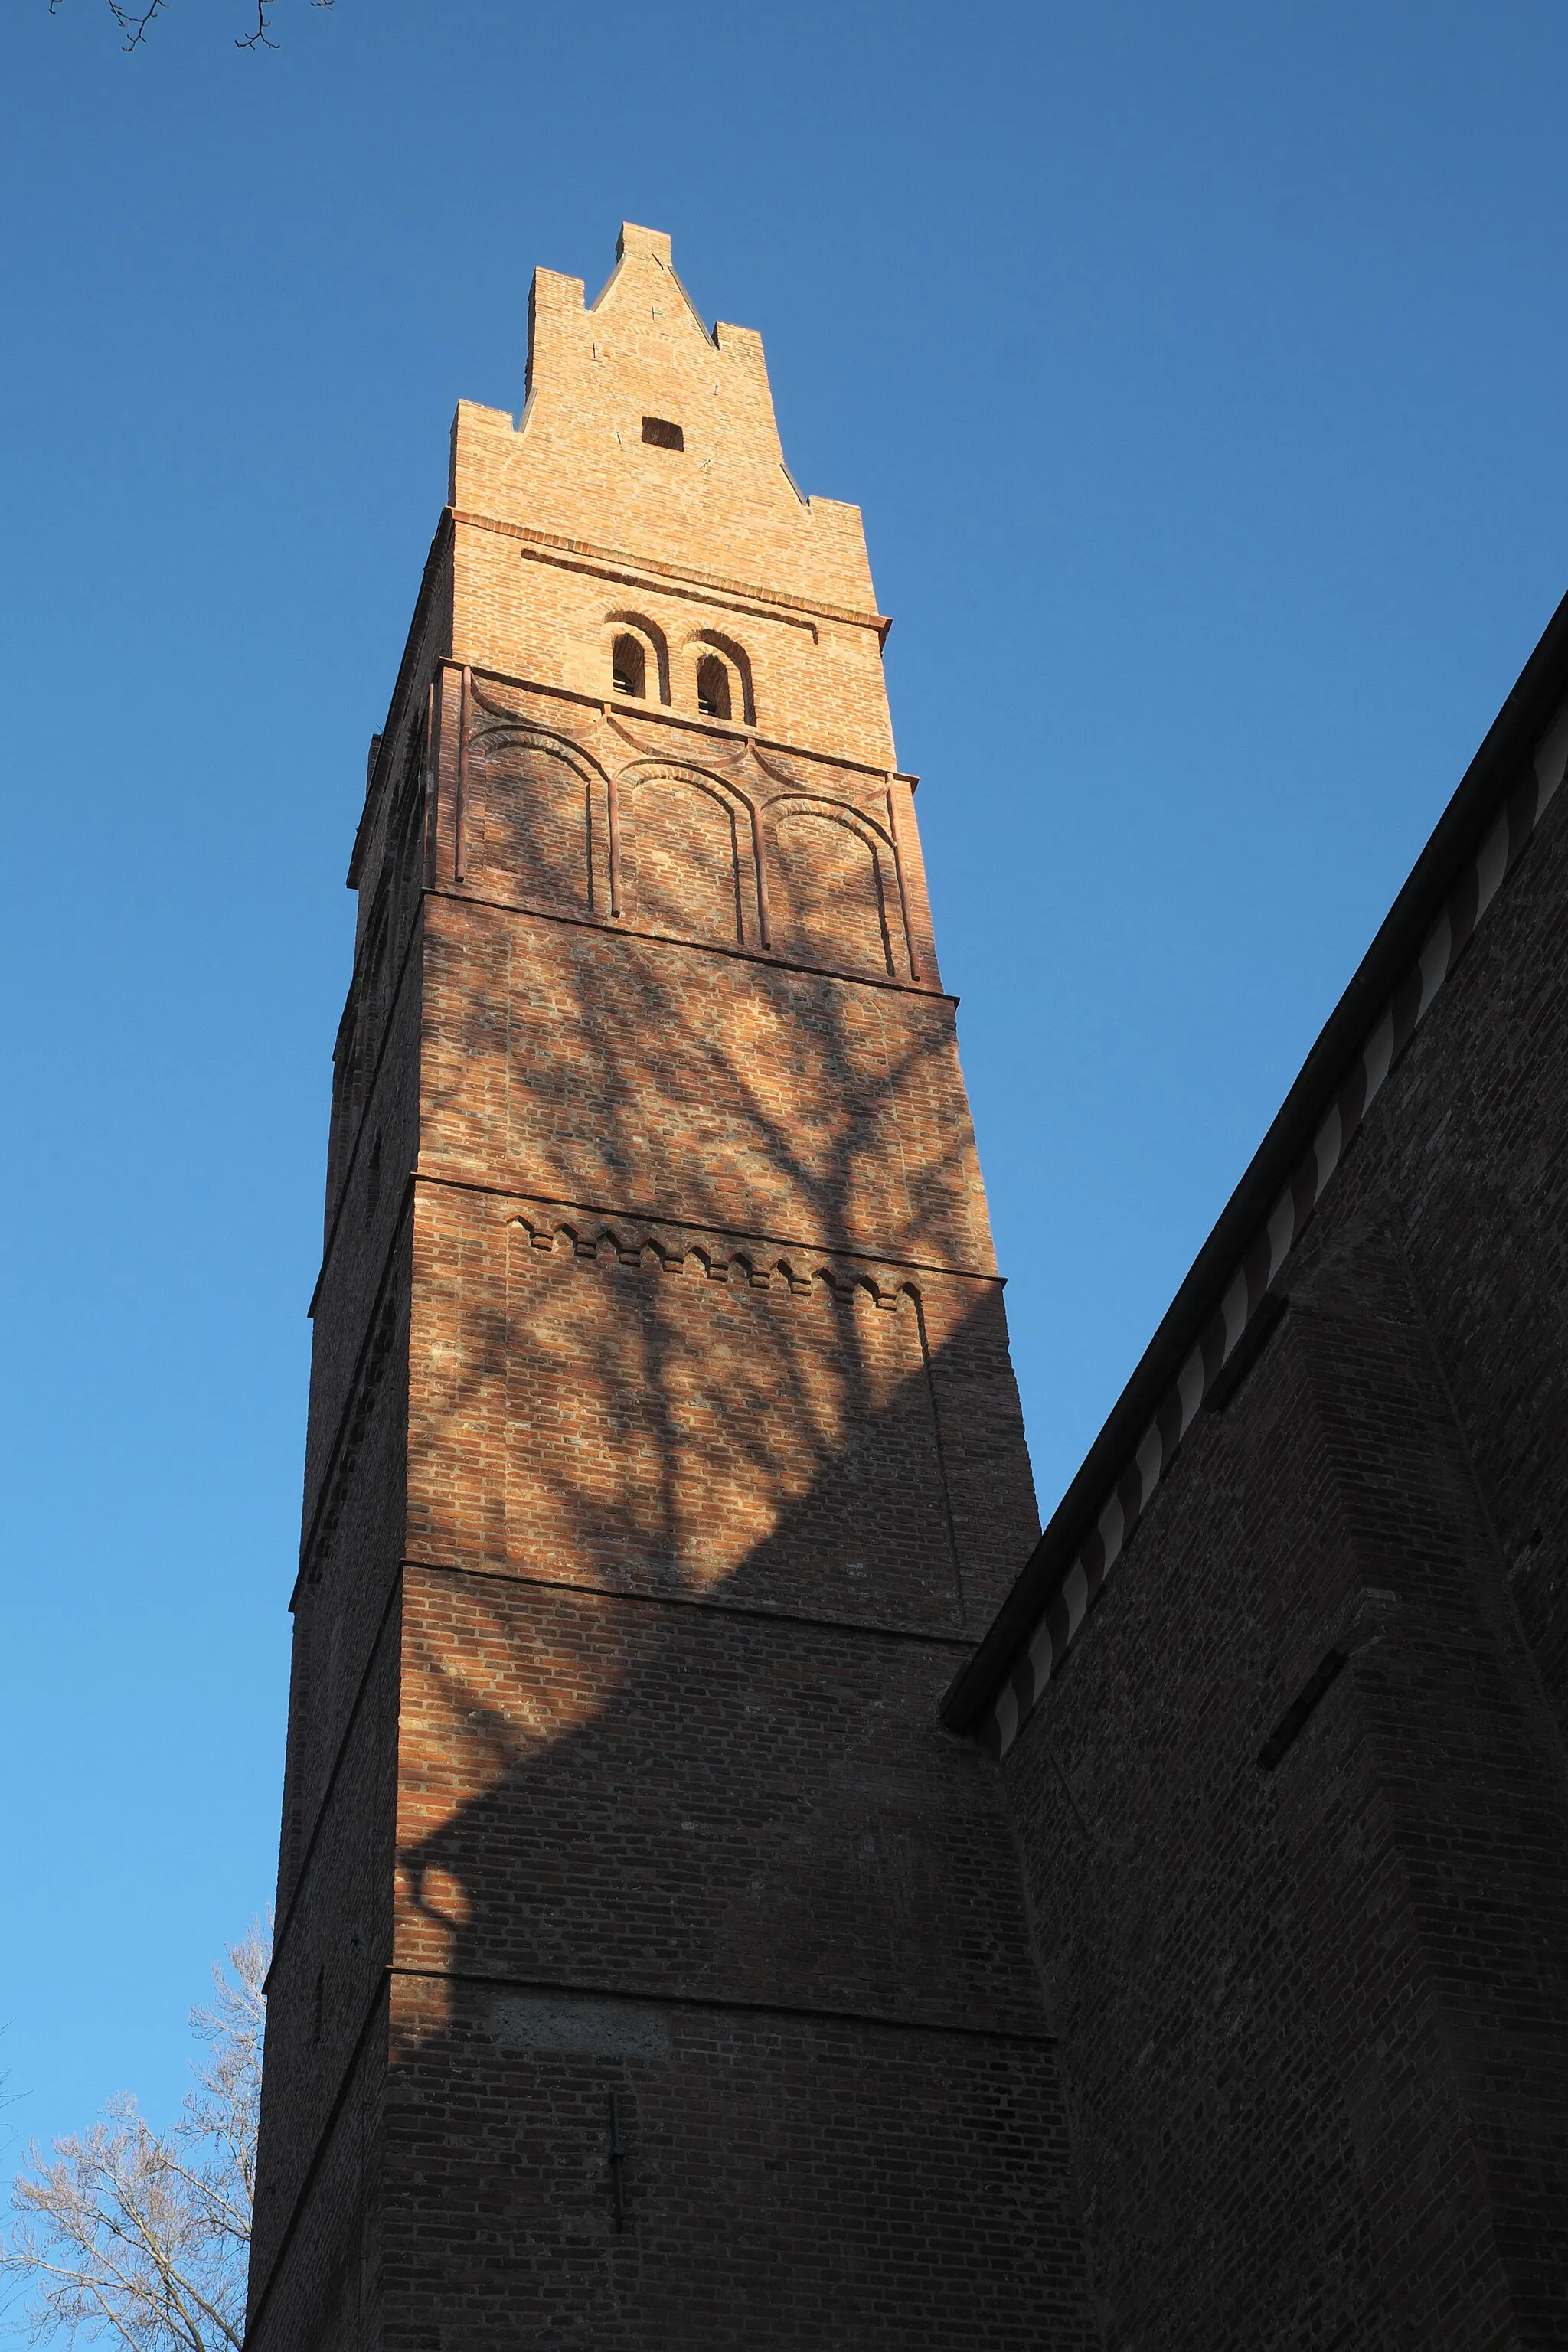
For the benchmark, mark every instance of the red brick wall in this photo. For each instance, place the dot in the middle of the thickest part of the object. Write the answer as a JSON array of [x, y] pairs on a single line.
[[1314, 2019], [664, 1459], [790, 2180]]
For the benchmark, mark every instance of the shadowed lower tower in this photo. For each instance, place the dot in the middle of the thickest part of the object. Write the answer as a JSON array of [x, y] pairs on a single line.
[[651, 1969]]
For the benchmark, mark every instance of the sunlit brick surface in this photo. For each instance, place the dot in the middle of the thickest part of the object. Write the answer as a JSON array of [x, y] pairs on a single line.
[[664, 1459]]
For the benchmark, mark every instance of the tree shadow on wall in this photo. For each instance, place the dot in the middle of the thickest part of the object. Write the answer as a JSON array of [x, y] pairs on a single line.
[[699, 1524], [707, 1852], [744, 1279], [696, 1843]]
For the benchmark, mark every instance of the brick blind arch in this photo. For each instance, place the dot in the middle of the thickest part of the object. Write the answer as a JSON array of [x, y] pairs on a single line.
[[831, 889], [536, 826], [680, 858], [687, 854]]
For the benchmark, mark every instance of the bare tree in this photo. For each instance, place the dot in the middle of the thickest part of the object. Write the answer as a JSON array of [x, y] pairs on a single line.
[[138, 2237], [133, 22]]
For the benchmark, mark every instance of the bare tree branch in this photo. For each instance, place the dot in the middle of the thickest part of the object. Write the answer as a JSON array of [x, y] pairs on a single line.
[[138, 2237], [133, 22], [259, 38]]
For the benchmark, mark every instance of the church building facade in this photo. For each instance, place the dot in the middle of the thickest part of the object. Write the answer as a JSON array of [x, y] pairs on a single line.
[[742, 1883]]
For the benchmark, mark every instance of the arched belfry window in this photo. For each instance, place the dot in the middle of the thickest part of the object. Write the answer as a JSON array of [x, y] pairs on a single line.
[[628, 667], [713, 687]]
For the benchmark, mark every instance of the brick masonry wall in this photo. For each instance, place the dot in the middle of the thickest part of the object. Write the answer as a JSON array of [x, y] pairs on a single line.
[[353, 1540], [779, 2180], [1471, 1152], [1314, 2017], [622, 1794], [816, 1434], [665, 1457], [706, 1088], [334, 1946], [325, 2284], [529, 611]]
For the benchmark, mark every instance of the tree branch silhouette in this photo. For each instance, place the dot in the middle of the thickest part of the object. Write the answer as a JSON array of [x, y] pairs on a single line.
[[134, 22]]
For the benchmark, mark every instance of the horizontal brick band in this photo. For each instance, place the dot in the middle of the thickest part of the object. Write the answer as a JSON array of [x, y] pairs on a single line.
[[613, 561], [533, 1207], [718, 2004]]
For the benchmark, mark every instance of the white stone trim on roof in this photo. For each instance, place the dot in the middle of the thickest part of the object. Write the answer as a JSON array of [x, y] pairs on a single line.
[[1042, 1651]]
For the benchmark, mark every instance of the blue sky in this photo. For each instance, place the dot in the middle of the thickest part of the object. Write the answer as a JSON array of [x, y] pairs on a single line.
[[1200, 371]]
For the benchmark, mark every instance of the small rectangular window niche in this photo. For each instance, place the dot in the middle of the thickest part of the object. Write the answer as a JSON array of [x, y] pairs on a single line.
[[662, 433]]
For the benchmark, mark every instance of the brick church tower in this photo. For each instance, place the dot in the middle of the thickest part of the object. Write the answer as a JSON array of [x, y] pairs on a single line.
[[651, 1968]]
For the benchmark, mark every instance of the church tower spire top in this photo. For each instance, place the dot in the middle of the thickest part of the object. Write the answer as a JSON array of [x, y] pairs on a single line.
[[644, 433]]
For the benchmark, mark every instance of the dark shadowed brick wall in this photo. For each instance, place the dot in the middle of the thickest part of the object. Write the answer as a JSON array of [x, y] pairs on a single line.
[[1293, 1805]]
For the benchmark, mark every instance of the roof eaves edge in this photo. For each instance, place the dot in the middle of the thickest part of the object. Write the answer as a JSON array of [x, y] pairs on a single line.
[[1509, 742]]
